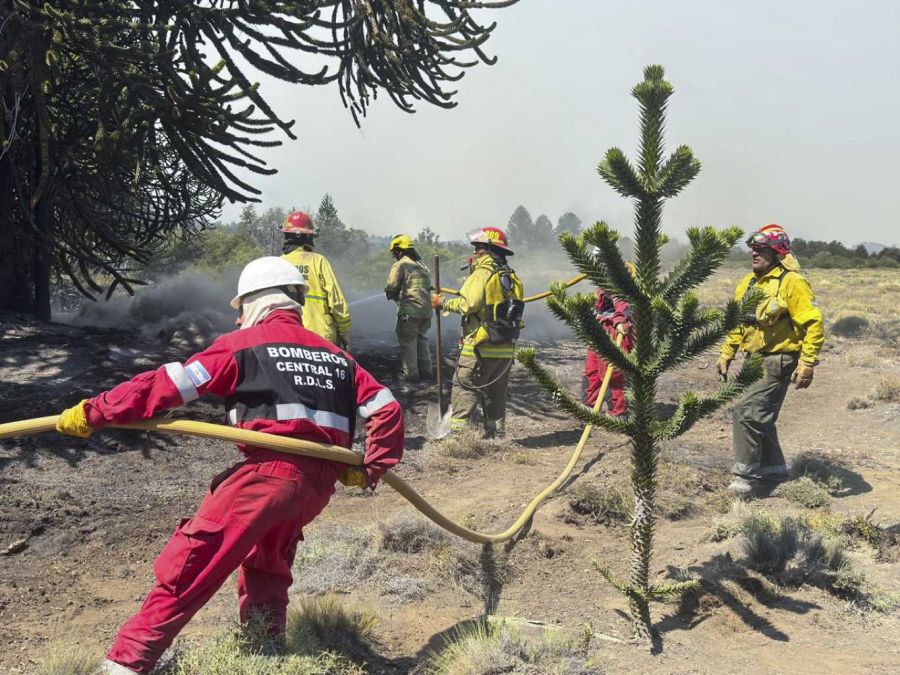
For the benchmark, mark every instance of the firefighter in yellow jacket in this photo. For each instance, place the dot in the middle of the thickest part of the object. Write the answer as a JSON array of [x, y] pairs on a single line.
[[787, 331], [490, 302], [326, 312], [409, 285]]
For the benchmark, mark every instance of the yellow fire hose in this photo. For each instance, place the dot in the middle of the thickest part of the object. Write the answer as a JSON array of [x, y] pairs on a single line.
[[296, 446], [530, 298]]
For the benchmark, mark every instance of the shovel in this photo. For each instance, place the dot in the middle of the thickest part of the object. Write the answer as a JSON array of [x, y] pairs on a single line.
[[437, 422]]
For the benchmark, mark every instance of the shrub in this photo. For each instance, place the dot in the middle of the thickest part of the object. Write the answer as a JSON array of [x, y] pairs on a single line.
[[479, 649], [850, 326], [823, 470], [885, 540], [411, 534], [804, 491], [887, 391], [790, 551], [859, 403], [324, 625], [460, 563], [247, 650], [406, 588], [466, 444], [794, 551], [602, 503], [336, 558], [887, 331]]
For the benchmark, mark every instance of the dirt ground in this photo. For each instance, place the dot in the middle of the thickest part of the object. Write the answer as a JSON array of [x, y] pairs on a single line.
[[82, 520]]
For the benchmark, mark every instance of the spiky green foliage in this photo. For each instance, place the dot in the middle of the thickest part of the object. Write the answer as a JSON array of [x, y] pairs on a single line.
[[669, 326], [122, 122]]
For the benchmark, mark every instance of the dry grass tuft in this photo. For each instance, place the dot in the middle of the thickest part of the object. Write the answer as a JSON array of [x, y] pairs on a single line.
[[795, 551], [831, 474], [324, 624], [886, 391], [480, 649], [607, 499], [335, 558], [859, 403], [790, 551], [248, 650], [460, 564], [409, 533], [729, 524], [406, 588], [604, 503], [885, 540], [69, 659], [804, 491], [679, 486], [466, 444]]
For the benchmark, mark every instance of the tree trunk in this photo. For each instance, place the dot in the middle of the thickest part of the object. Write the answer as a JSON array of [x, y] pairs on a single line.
[[41, 269], [15, 257], [15, 272]]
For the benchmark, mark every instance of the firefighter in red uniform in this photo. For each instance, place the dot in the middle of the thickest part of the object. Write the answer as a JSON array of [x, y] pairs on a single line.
[[614, 315], [275, 377]]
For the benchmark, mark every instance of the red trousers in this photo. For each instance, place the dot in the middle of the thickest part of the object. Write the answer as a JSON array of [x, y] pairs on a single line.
[[594, 370], [251, 518]]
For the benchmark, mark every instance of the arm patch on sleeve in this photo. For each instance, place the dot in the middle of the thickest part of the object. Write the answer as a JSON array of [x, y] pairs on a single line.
[[198, 374]]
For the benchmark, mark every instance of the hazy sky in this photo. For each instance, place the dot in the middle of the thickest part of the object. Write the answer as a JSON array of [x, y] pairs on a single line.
[[790, 106]]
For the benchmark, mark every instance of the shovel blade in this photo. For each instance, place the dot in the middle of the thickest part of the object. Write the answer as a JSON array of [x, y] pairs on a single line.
[[437, 424]]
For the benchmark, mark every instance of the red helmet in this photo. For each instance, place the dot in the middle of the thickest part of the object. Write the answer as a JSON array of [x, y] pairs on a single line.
[[773, 236], [492, 236], [298, 222]]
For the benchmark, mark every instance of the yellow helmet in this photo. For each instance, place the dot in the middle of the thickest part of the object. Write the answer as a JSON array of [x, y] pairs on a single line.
[[401, 241]]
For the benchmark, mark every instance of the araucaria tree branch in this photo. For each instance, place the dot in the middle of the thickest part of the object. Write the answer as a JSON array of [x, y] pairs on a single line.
[[669, 327]]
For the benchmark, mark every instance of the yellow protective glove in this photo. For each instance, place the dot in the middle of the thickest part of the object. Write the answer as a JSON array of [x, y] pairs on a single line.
[[722, 367], [803, 376], [623, 328], [353, 476], [73, 421]]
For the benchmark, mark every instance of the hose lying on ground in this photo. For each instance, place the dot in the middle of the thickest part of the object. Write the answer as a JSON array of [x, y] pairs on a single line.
[[530, 298], [297, 446]]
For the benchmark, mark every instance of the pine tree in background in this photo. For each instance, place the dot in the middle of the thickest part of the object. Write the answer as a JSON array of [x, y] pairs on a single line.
[[542, 235], [568, 222], [520, 227], [327, 219], [333, 238], [669, 327], [264, 229]]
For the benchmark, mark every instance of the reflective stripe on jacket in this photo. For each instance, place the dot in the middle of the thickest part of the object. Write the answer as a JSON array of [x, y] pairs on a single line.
[[276, 377], [409, 285], [326, 311], [792, 321], [470, 304]]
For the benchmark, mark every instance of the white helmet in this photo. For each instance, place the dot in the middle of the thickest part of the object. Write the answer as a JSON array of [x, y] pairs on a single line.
[[268, 272]]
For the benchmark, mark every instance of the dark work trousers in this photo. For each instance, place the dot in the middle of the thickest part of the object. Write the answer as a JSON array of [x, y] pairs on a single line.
[[757, 452], [415, 354]]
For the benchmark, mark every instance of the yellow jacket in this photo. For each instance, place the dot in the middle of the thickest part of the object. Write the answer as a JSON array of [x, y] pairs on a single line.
[[409, 284], [470, 304], [326, 311], [787, 321]]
